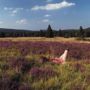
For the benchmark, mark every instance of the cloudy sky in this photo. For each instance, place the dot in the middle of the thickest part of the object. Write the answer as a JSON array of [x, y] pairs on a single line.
[[37, 14]]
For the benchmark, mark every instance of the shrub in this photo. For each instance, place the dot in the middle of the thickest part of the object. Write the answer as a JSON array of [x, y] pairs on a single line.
[[79, 67], [43, 59], [25, 86], [22, 65], [42, 73], [8, 82]]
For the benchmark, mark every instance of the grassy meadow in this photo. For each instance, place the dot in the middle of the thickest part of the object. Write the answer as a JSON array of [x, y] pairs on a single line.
[[25, 65]]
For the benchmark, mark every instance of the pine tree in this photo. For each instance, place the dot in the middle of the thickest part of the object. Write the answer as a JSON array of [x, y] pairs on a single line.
[[41, 33], [50, 32], [60, 33], [81, 33]]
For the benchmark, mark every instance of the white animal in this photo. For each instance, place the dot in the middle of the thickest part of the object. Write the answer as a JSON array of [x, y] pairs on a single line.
[[61, 59]]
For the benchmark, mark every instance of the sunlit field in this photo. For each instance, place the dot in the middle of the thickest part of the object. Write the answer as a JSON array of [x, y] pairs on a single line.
[[38, 39], [25, 64], [55, 39]]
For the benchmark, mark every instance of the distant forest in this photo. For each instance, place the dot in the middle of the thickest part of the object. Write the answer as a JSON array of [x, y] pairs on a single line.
[[49, 32]]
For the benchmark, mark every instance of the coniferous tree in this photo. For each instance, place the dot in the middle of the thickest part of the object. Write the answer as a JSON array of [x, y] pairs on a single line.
[[81, 33], [49, 32], [41, 33], [60, 33]]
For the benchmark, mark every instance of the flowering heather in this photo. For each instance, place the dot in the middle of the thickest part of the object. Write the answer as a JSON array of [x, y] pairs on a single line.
[[42, 73], [79, 67], [24, 86], [24, 66], [43, 59], [20, 64], [77, 50], [8, 82]]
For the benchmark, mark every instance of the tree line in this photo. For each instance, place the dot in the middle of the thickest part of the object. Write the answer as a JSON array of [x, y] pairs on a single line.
[[49, 32]]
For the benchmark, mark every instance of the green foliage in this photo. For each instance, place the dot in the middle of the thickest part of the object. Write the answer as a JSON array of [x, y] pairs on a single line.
[[43, 33], [50, 32], [81, 33], [60, 33]]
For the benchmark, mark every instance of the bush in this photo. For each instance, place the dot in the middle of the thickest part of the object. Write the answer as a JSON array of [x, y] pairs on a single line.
[[43, 59], [42, 73], [24, 86], [20, 64]]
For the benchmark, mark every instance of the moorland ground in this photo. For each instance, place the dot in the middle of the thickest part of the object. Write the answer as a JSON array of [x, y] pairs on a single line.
[[24, 64]]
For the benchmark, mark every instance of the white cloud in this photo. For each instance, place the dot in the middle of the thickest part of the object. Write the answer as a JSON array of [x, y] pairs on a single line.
[[45, 20], [7, 9], [13, 11], [22, 21], [1, 22], [54, 6], [47, 15]]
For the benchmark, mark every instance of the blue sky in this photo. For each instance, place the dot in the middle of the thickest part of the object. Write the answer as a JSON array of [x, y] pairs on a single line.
[[37, 14]]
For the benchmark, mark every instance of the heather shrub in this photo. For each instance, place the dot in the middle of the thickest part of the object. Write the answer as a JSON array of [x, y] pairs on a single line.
[[9, 52], [18, 72], [8, 82], [79, 67], [25, 86], [4, 66], [50, 84], [43, 59], [5, 82], [21, 64], [24, 48], [42, 73]]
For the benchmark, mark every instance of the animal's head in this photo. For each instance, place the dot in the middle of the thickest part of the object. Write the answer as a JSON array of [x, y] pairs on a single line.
[[67, 49]]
